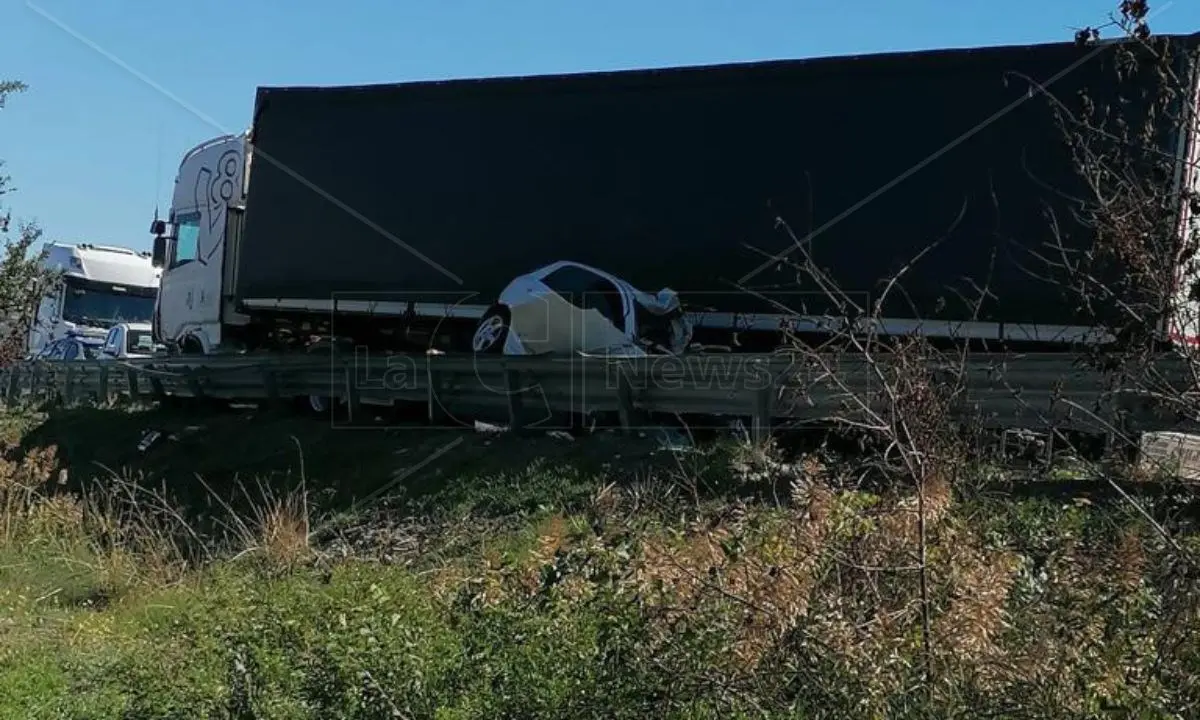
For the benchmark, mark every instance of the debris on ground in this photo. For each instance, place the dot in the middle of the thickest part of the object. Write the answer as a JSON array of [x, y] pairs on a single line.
[[149, 438], [738, 429], [489, 428], [673, 440]]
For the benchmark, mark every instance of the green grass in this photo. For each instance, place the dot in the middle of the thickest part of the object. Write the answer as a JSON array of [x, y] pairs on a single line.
[[273, 567]]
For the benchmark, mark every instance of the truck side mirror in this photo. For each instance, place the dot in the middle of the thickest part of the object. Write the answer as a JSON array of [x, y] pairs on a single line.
[[158, 257], [158, 227]]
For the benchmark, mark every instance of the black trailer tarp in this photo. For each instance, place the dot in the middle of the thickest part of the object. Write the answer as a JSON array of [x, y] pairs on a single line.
[[676, 178]]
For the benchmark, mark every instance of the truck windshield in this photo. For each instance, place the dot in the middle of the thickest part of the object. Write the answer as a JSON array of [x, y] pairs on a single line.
[[99, 306]]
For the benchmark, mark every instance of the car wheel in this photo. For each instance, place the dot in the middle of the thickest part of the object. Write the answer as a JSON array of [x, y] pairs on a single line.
[[492, 331]]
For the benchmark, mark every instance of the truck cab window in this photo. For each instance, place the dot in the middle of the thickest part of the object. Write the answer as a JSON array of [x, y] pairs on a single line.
[[187, 241]]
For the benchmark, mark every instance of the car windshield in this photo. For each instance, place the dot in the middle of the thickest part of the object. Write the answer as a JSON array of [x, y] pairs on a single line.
[[96, 307], [139, 341]]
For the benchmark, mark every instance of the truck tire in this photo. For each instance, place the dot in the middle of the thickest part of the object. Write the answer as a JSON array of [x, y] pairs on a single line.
[[191, 346], [492, 331], [187, 346]]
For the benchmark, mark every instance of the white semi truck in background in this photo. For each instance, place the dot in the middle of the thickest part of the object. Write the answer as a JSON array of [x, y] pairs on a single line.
[[96, 287]]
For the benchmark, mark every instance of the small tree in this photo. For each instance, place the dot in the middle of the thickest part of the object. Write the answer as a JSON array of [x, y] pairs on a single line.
[[23, 280], [1134, 150]]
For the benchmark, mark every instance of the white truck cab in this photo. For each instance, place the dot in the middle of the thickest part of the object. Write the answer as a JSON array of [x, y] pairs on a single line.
[[192, 244], [97, 286]]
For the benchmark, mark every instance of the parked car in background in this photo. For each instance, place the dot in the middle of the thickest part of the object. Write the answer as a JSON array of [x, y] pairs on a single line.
[[72, 347], [129, 341]]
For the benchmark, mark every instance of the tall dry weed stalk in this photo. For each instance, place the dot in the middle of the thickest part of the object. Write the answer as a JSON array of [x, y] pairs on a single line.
[[274, 525]]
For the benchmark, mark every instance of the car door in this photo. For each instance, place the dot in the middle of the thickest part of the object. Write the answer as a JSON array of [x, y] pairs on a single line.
[[54, 351], [112, 343]]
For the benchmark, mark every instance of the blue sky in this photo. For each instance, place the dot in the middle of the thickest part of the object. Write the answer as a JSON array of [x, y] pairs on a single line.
[[92, 146]]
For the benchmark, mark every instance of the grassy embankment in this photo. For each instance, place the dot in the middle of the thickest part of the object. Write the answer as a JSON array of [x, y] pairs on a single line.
[[258, 567]]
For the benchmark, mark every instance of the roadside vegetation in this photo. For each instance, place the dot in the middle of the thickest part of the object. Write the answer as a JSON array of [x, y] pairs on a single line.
[[539, 577]]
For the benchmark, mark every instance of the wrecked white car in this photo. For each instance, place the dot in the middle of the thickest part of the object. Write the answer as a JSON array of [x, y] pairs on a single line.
[[569, 308]]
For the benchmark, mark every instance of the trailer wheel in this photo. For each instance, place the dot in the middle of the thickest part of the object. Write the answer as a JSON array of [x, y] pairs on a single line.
[[319, 404], [492, 331], [323, 405]]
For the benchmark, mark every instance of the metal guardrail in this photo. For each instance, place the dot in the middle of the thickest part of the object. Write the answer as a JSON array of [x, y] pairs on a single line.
[[1022, 391]]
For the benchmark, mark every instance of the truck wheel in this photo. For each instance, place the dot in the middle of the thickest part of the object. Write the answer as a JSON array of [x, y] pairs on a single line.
[[192, 347], [189, 346], [492, 331]]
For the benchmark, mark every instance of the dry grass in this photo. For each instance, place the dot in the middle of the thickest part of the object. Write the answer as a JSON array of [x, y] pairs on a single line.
[[275, 526], [124, 535]]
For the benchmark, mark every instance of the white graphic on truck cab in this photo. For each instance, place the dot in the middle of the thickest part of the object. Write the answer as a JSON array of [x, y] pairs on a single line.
[[212, 194]]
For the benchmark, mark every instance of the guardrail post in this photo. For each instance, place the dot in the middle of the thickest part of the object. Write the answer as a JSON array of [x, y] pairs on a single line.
[[131, 376], [50, 393], [515, 410], [353, 400], [35, 384], [271, 383], [13, 391], [626, 409], [432, 381], [193, 382], [68, 393], [764, 404], [102, 393], [156, 389]]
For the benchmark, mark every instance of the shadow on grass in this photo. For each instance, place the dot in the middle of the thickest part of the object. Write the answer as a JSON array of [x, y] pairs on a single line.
[[239, 455]]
